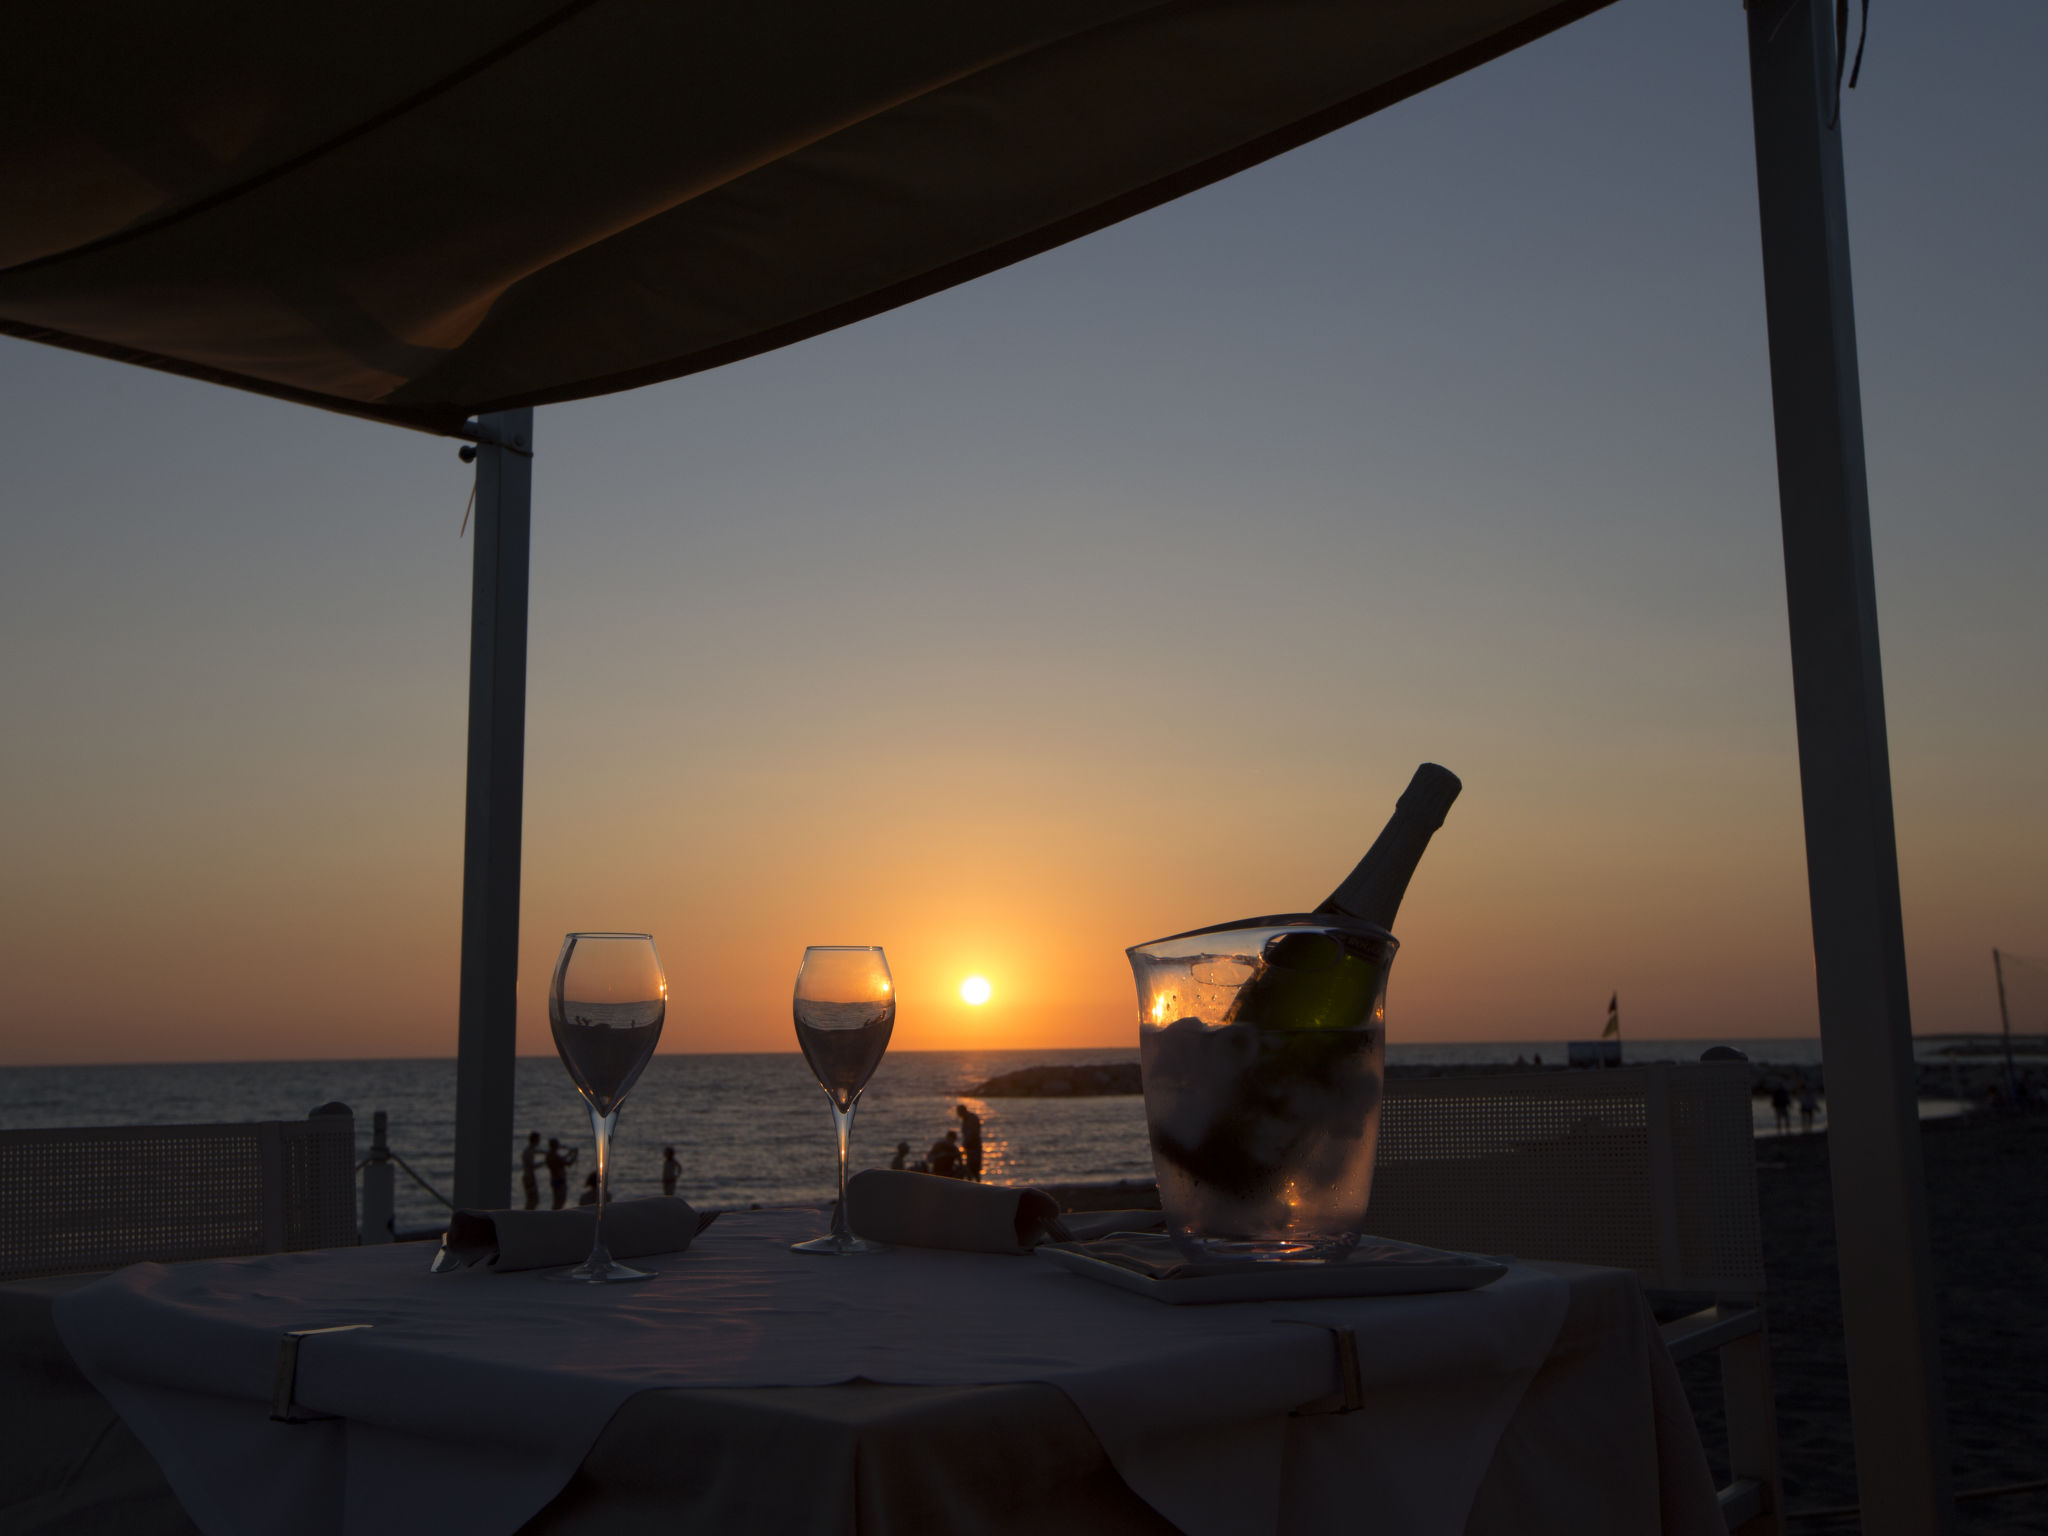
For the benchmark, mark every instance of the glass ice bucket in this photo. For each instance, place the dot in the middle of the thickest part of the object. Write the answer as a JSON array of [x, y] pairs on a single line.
[[1264, 1052]]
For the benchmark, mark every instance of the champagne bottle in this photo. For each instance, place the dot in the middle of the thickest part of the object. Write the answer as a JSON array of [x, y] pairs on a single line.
[[1372, 892], [1312, 981], [1234, 1113]]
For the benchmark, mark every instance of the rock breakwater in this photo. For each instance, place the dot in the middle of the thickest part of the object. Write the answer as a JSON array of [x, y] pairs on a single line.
[[1062, 1082]]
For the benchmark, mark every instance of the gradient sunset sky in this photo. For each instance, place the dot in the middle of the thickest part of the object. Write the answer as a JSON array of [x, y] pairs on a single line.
[[1112, 594]]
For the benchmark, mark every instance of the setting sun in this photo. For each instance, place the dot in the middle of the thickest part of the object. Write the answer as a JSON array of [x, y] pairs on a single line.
[[975, 990]]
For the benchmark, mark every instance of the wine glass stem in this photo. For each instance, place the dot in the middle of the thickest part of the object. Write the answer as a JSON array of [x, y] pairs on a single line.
[[601, 1131], [842, 1121]]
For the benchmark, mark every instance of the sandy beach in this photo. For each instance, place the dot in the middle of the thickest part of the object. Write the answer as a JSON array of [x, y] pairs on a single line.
[[1988, 1205]]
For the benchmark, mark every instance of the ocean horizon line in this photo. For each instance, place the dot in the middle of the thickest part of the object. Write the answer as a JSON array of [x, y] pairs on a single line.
[[1527, 1043], [1513, 1044]]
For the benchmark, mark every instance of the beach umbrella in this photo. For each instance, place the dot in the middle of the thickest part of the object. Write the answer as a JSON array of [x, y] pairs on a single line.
[[442, 216]]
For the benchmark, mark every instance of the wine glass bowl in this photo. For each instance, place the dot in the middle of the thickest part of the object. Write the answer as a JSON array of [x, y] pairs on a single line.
[[845, 1011], [607, 1002]]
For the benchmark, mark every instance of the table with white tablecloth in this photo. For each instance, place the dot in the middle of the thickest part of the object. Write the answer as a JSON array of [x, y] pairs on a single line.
[[750, 1388]]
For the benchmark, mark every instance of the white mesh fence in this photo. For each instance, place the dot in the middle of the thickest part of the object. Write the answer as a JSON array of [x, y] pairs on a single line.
[[1650, 1169], [101, 1196]]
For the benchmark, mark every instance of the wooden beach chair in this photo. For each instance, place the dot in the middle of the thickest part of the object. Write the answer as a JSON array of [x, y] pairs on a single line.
[[1650, 1169], [98, 1197]]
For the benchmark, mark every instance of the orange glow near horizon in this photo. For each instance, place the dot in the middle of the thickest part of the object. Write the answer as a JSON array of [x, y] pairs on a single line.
[[1526, 913]]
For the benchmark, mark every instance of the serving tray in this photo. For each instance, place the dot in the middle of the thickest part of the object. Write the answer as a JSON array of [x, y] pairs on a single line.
[[1149, 1265]]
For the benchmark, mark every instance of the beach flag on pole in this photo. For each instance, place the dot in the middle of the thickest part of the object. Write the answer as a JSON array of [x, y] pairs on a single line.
[[1613, 1029]]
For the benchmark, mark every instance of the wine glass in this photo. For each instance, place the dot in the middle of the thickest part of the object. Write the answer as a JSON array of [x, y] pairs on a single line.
[[606, 1005], [845, 1008]]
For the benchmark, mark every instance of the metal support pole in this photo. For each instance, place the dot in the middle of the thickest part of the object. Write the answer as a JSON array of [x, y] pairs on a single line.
[[1880, 1202], [487, 1032], [379, 1186], [2012, 1078]]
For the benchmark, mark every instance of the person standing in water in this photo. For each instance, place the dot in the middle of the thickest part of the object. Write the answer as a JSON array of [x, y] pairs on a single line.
[[529, 1169], [671, 1170], [901, 1161], [970, 1140], [558, 1162]]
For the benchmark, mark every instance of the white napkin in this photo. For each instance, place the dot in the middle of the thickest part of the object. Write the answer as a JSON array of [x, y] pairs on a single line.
[[923, 1210], [505, 1241]]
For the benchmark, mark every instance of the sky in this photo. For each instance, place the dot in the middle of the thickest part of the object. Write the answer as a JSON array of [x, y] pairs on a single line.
[[1110, 595]]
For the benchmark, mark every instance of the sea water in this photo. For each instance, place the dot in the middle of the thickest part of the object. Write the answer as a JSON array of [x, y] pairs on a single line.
[[748, 1129]]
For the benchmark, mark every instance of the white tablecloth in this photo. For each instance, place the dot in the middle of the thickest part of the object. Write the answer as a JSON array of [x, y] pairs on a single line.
[[474, 1397]]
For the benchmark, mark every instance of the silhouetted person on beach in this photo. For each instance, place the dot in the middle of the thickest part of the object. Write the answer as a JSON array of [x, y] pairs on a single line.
[[671, 1170], [901, 1160], [589, 1195], [944, 1156], [558, 1162], [1809, 1106], [970, 1140], [529, 1169], [1781, 1106]]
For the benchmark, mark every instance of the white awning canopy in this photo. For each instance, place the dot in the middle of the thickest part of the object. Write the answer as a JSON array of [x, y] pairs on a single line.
[[419, 213]]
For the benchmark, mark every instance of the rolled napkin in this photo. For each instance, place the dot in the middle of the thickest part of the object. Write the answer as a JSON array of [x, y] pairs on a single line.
[[922, 1210], [512, 1240]]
